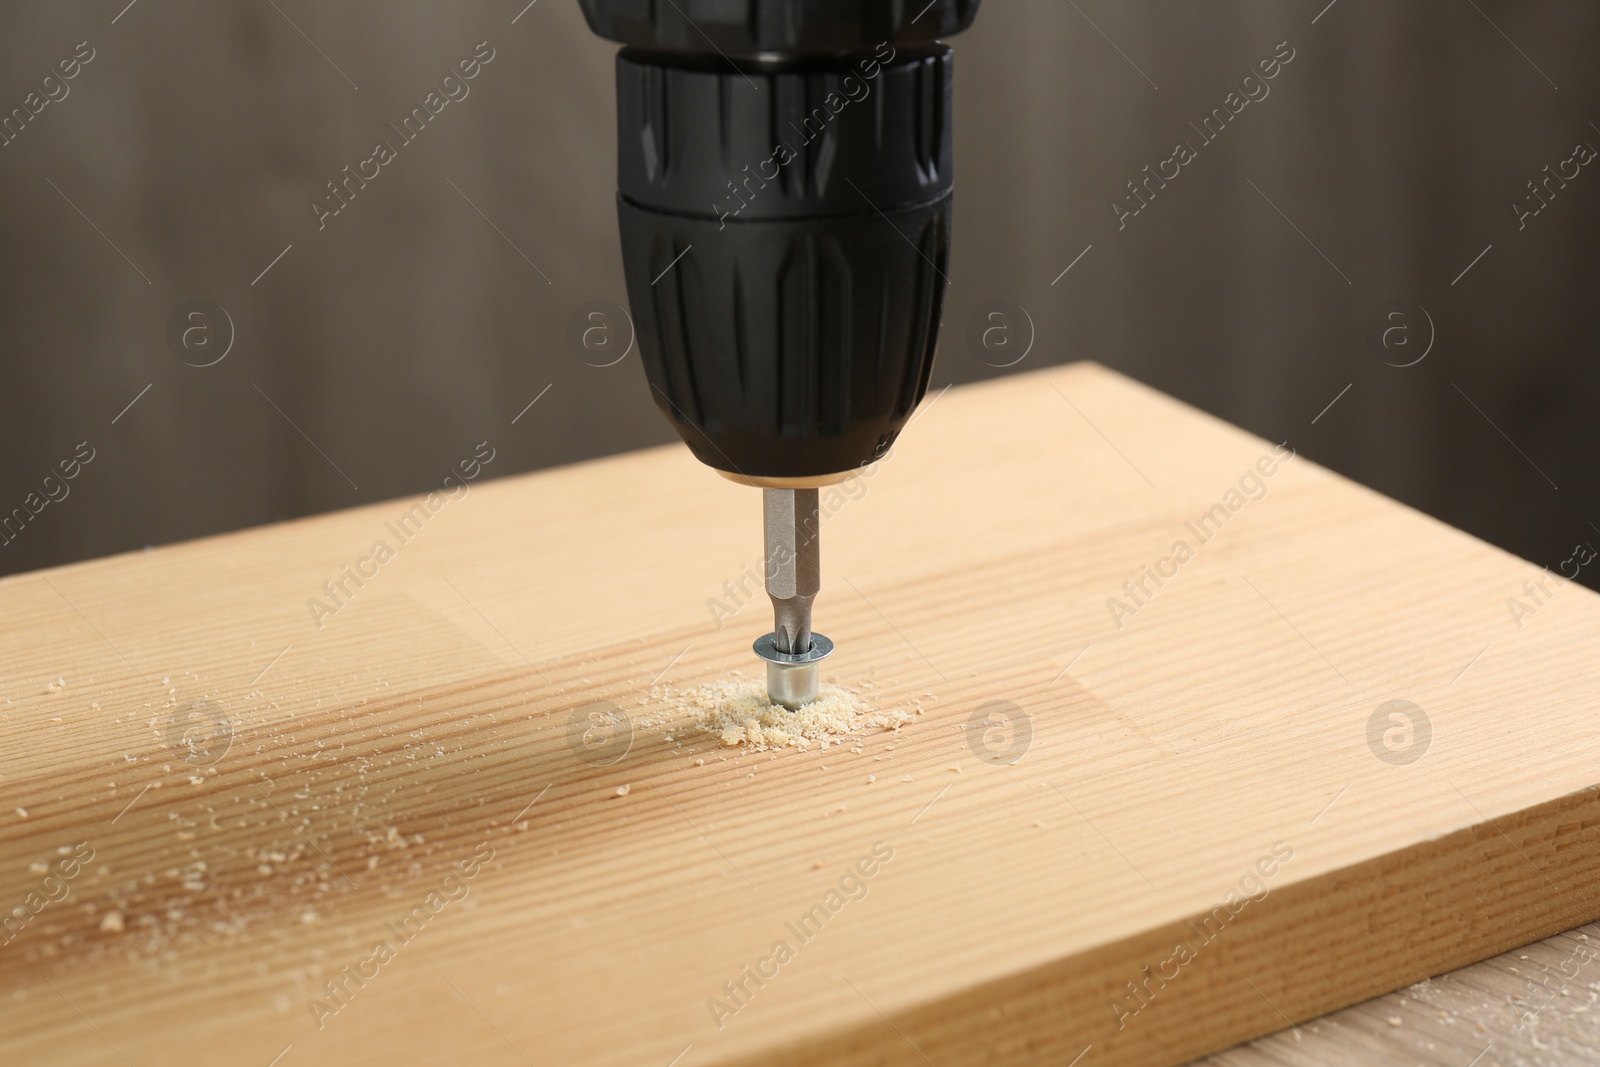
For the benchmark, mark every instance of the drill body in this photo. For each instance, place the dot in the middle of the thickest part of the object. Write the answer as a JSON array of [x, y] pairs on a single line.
[[784, 202]]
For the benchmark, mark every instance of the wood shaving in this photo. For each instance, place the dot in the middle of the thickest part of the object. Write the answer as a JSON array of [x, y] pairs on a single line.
[[739, 714]]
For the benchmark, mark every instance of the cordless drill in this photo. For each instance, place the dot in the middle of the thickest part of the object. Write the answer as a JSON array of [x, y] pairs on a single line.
[[784, 197]]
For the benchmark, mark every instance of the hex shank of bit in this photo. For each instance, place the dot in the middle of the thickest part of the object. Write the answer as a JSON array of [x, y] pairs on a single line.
[[794, 563]]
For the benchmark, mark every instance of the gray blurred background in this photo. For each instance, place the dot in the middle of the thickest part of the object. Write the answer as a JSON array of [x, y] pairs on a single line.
[[373, 355]]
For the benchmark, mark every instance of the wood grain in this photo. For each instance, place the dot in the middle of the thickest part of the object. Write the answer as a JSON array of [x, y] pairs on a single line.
[[1531, 1007], [1217, 739]]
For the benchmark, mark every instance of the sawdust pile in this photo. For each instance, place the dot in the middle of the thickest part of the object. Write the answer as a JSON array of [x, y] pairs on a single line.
[[739, 713]]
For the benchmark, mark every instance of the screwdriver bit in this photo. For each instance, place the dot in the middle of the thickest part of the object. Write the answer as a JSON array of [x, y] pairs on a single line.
[[792, 524]]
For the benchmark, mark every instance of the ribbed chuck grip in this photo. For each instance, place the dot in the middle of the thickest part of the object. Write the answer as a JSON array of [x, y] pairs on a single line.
[[746, 29], [785, 233], [838, 140]]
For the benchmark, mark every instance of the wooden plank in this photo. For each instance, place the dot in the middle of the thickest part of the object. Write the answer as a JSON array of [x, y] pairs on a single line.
[[1216, 742], [1533, 1005]]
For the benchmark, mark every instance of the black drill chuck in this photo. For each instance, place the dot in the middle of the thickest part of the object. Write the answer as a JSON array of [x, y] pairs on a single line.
[[784, 190]]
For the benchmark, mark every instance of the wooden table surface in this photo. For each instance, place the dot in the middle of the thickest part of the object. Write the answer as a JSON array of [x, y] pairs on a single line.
[[258, 811]]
